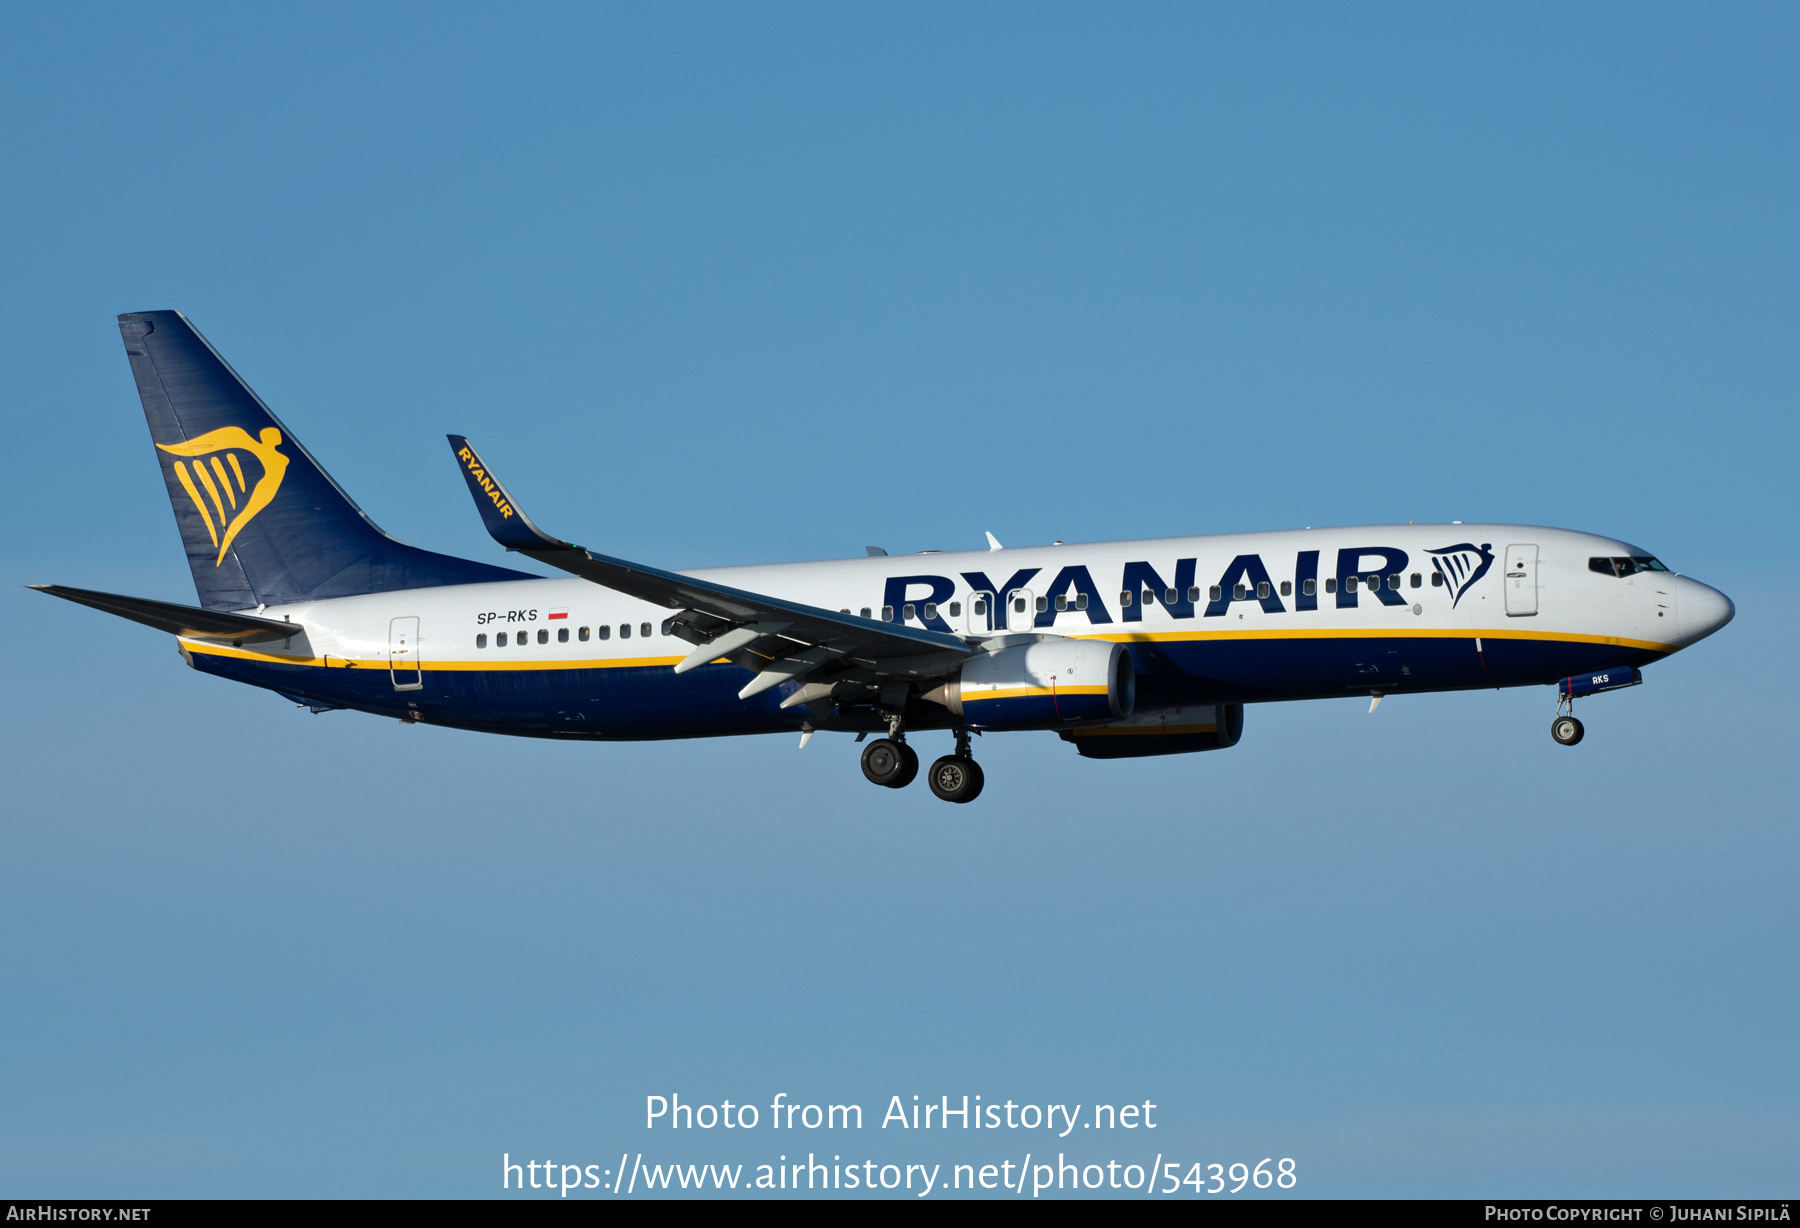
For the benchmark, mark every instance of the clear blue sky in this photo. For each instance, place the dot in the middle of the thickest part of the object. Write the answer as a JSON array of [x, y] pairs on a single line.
[[751, 283]]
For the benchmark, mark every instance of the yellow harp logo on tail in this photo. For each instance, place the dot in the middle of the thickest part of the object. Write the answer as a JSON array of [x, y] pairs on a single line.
[[229, 502]]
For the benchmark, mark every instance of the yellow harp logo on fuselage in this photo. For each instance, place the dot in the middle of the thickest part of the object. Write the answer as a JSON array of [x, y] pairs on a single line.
[[229, 502]]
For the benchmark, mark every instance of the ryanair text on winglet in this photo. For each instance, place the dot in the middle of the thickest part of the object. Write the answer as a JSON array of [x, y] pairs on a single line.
[[486, 483]]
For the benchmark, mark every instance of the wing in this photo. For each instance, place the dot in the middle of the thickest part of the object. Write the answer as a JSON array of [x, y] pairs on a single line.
[[781, 640]]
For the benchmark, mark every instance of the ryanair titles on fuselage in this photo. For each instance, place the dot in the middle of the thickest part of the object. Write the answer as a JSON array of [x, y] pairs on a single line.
[[1382, 571]]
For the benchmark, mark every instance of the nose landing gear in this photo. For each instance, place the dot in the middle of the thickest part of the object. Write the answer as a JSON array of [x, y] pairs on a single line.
[[1566, 730]]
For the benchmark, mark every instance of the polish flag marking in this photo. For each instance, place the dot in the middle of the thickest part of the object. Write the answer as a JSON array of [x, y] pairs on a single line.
[[556, 614]]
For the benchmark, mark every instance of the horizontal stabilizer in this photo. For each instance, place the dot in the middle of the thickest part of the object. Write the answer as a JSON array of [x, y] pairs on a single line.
[[178, 619]]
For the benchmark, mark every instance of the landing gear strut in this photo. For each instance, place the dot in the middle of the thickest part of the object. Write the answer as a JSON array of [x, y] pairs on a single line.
[[1565, 728]]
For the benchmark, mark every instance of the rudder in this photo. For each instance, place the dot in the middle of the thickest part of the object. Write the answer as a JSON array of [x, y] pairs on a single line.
[[262, 522]]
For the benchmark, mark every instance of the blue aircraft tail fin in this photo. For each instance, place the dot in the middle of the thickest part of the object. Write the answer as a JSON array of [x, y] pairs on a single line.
[[263, 523]]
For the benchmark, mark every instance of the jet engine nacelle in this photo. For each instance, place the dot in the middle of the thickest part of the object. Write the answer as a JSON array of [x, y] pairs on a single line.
[[1162, 731], [1047, 684]]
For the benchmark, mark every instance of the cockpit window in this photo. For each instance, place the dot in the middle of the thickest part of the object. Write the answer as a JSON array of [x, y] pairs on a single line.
[[1622, 567]]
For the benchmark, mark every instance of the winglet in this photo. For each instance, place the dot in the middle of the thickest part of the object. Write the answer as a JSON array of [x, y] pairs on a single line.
[[994, 543], [506, 523]]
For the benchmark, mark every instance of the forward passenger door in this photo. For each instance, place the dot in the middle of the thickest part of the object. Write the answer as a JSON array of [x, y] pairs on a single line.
[[1521, 579]]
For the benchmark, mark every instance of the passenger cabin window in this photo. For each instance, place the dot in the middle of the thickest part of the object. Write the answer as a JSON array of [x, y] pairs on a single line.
[[1125, 598], [1043, 603], [865, 611], [1287, 588], [562, 635], [1081, 600], [1149, 597], [1212, 594], [543, 635], [887, 613], [624, 631], [930, 609], [1394, 582], [1374, 584], [1193, 593], [604, 631], [582, 635], [1018, 605], [907, 612], [1237, 592], [955, 609], [1170, 596], [644, 630], [1311, 587], [1262, 589], [481, 641], [1062, 603], [1349, 584], [1437, 579], [979, 606], [1417, 579]]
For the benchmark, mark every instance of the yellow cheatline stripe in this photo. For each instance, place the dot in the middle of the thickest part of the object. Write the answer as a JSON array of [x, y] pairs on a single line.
[[187, 484], [225, 482], [209, 648], [1376, 633], [599, 663], [1108, 731], [970, 697], [236, 469], [206, 481]]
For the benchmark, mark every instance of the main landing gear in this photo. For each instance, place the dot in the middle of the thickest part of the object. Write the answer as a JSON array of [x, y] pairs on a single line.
[[892, 763], [956, 779], [889, 762]]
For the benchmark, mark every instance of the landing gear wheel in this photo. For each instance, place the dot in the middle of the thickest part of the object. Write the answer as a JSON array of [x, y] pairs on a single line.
[[890, 763], [955, 779], [911, 769], [883, 761], [1566, 730]]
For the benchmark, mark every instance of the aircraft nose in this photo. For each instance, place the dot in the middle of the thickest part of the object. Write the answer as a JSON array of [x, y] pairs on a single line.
[[1700, 610]]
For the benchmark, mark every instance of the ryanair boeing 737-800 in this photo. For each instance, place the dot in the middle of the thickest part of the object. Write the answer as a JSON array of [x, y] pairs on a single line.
[[1124, 649]]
